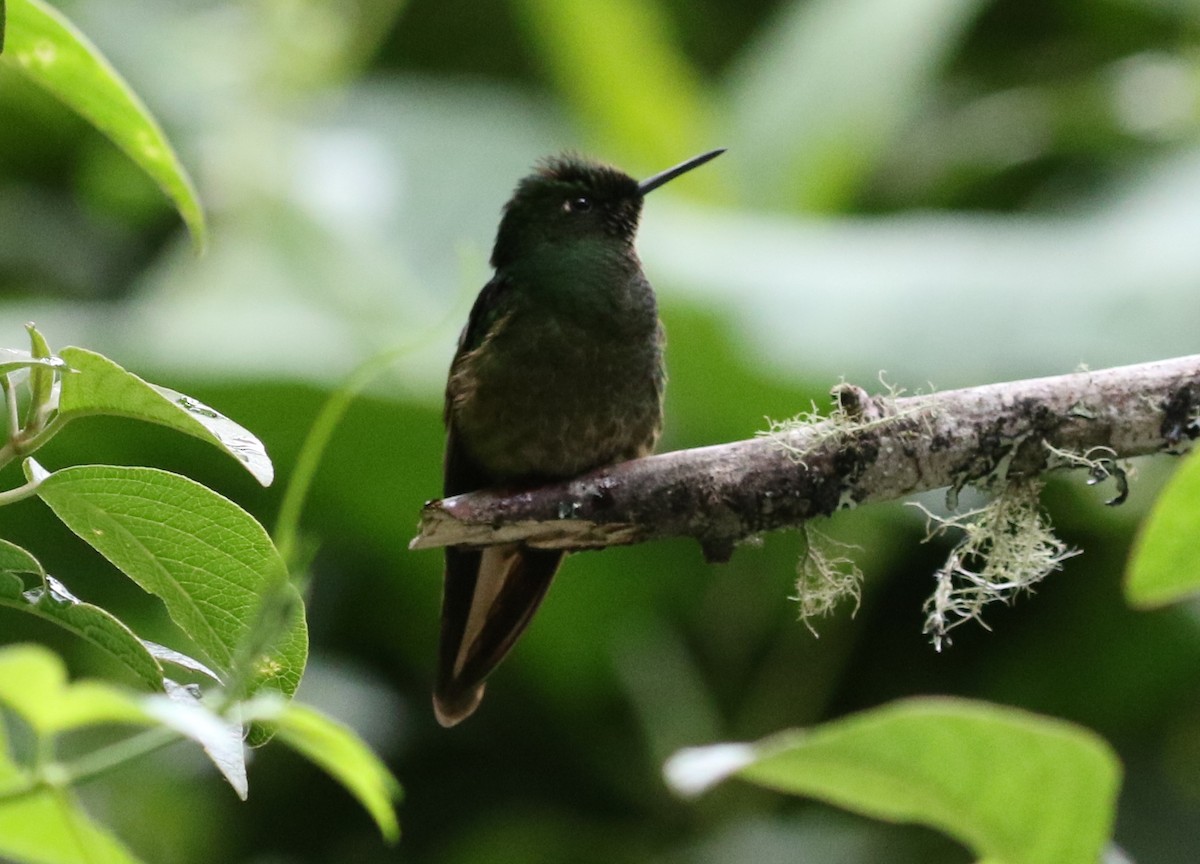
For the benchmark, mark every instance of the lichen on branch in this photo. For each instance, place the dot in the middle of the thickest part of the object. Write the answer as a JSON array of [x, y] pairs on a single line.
[[1006, 548]]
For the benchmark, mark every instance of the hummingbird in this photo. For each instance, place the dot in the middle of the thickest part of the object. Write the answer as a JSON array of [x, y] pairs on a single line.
[[558, 371]]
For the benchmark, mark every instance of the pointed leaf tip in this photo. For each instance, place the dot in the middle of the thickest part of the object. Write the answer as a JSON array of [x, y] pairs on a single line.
[[50, 51], [695, 770], [100, 386], [221, 739], [337, 750]]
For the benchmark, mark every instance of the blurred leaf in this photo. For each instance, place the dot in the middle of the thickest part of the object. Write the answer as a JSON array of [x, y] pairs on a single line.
[[622, 70], [47, 48], [47, 826], [343, 755], [1165, 563], [33, 684], [817, 101], [207, 558], [100, 386], [221, 739], [102, 629], [317, 43], [1014, 787]]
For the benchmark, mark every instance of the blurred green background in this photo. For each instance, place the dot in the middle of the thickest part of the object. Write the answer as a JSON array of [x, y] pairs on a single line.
[[954, 191]]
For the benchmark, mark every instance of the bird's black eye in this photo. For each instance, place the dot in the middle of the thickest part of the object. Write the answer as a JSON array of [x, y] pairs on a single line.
[[581, 204]]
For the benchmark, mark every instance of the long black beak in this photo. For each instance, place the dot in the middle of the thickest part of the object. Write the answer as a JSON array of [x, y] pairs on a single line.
[[652, 183]]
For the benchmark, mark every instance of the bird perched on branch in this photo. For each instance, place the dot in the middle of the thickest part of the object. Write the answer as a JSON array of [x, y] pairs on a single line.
[[559, 371]]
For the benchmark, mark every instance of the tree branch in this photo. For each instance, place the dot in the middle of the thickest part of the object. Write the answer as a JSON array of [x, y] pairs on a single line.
[[872, 449]]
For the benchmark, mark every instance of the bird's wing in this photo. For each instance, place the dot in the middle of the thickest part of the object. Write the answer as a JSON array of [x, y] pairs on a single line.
[[489, 595]]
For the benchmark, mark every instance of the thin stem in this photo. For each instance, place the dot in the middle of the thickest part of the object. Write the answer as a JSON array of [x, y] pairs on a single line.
[[18, 445], [288, 522], [43, 434], [274, 612], [101, 761], [9, 451], [20, 493], [10, 402], [56, 775]]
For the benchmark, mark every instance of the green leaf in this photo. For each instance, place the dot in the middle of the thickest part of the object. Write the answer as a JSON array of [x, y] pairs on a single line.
[[48, 826], [208, 560], [51, 52], [345, 757], [54, 603], [602, 55], [33, 684], [1164, 565], [829, 86], [1014, 787], [99, 386], [14, 559]]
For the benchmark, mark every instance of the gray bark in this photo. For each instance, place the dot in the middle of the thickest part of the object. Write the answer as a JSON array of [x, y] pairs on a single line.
[[872, 449]]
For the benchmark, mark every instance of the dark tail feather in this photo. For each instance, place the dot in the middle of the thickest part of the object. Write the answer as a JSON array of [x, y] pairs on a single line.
[[488, 600]]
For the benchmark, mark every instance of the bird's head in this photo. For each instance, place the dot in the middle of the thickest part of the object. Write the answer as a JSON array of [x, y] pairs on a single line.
[[570, 200]]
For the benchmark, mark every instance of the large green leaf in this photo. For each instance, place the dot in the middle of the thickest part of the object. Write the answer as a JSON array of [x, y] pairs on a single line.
[[51, 52], [97, 385], [208, 560], [48, 826], [1165, 563], [345, 757], [1014, 787]]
